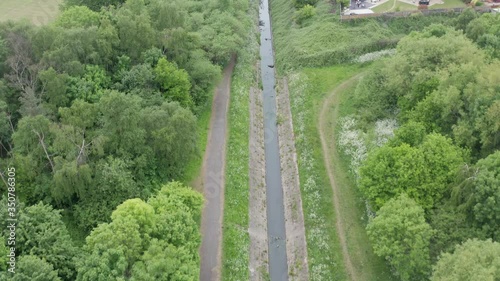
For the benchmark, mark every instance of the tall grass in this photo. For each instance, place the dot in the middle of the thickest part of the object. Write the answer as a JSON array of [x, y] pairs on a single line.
[[323, 40], [236, 241], [324, 251]]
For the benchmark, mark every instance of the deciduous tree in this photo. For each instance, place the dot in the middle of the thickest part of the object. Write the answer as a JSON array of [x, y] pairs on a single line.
[[400, 234]]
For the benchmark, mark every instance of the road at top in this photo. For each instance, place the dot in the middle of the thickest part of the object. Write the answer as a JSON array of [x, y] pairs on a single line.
[[278, 268], [213, 174]]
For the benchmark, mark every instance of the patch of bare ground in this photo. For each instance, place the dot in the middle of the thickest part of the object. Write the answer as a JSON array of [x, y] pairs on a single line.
[[294, 219], [257, 225]]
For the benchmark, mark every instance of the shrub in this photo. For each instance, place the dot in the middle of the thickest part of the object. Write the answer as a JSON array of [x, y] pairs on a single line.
[[304, 13], [302, 3]]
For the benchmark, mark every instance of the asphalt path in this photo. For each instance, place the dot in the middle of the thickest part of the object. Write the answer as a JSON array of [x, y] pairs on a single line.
[[213, 174]]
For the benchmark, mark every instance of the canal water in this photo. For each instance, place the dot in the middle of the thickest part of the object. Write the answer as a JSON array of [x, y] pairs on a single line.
[[278, 269]]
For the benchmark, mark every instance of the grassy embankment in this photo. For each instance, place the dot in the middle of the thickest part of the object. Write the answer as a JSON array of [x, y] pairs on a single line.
[[236, 241], [324, 41], [366, 264], [308, 90], [39, 12]]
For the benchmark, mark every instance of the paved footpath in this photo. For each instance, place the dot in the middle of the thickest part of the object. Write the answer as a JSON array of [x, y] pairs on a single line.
[[213, 174]]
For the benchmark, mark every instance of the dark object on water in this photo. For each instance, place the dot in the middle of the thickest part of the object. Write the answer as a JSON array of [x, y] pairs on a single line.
[[270, 65]]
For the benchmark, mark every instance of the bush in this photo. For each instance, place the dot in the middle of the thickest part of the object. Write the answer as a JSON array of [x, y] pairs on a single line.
[[304, 13], [302, 3]]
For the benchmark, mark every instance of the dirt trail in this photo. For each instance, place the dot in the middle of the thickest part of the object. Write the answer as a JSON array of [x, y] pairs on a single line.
[[332, 100], [213, 176]]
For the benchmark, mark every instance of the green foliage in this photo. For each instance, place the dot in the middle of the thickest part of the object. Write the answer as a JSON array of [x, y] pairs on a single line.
[[77, 16], [303, 3], [487, 195], [42, 233], [90, 87], [304, 13], [173, 82], [93, 4], [440, 79], [113, 184], [56, 87], [147, 240], [423, 172], [411, 133], [473, 260], [31, 267], [464, 18], [452, 226], [135, 29], [400, 234]]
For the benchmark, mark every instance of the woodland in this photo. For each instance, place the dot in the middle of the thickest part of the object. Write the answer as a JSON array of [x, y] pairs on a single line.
[[98, 116]]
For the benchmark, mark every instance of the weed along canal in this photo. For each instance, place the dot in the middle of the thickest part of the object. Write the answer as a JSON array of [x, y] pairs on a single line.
[[278, 270]]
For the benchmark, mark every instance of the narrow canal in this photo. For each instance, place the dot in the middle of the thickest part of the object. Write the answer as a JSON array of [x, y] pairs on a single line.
[[278, 269]]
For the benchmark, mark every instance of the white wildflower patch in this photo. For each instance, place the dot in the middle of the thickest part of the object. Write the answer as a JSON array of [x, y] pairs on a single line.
[[318, 236], [352, 142], [375, 55], [384, 130]]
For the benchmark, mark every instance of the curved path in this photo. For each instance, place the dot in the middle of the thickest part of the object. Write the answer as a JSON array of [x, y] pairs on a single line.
[[213, 174], [332, 100]]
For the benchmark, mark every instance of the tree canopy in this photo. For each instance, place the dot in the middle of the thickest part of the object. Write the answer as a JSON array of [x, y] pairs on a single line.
[[400, 234], [472, 260]]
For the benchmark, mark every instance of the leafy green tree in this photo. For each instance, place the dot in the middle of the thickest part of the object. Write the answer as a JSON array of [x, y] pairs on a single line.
[[93, 4], [4, 251], [140, 76], [464, 18], [172, 134], [55, 86], [77, 16], [411, 133], [203, 75], [423, 172], [42, 233], [33, 155], [400, 234], [113, 183], [487, 195], [452, 226], [168, 14], [107, 42], [134, 29], [472, 260], [147, 240], [174, 82], [222, 35], [33, 268], [119, 119], [91, 86]]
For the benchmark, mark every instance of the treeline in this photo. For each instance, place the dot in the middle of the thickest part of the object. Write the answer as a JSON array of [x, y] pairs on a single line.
[[99, 107], [434, 187]]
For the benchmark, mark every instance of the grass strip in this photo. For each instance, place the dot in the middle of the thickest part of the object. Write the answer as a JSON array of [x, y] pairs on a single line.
[[236, 241]]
